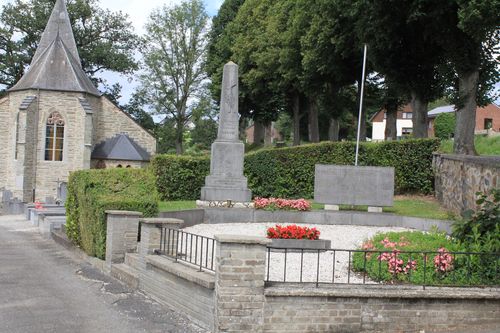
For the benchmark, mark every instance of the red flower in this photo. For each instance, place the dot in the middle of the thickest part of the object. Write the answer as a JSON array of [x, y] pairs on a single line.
[[293, 232]]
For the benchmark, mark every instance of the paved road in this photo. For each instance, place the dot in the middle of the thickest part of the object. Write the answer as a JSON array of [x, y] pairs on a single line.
[[45, 288]]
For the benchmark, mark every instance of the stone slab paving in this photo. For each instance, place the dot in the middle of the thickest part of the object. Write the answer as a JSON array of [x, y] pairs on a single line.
[[46, 288]]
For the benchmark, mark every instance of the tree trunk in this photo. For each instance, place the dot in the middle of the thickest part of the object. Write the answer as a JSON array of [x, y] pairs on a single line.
[[391, 131], [179, 131], [268, 135], [334, 129], [419, 117], [466, 114], [258, 132], [296, 120], [313, 121], [242, 128]]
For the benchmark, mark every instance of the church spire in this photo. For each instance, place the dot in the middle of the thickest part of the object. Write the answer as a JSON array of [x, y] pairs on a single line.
[[59, 24], [56, 64]]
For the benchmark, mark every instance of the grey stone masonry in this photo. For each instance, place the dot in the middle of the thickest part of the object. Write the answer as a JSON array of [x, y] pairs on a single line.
[[226, 180], [350, 185], [239, 283], [151, 233], [121, 235]]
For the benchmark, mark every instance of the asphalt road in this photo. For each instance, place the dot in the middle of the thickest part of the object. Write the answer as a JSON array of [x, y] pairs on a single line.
[[46, 288]]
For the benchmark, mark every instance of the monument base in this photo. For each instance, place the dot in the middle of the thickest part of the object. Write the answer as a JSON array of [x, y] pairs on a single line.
[[209, 193], [223, 204]]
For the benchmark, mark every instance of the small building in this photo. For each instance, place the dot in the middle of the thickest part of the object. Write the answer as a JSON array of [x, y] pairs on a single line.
[[487, 118], [55, 121]]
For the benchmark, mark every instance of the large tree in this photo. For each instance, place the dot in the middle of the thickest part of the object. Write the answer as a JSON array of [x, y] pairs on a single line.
[[105, 39], [174, 52], [471, 36]]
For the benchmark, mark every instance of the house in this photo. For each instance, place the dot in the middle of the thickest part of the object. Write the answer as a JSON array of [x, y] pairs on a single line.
[[404, 123], [487, 117], [55, 121]]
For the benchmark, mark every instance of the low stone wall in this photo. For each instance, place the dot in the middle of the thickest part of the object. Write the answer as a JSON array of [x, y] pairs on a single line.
[[358, 309], [329, 217], [458, 178]]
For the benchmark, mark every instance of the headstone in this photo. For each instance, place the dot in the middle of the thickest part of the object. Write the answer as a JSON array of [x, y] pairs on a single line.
[[62, 192], [357, 186], [226, 181]]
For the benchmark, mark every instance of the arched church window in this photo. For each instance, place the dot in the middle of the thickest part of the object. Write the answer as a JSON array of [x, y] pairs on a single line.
[[17, 137], [54, 137]]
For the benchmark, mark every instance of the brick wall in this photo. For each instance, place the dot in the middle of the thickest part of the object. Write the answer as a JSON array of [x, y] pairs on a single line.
[[356, 309], [490, 111], [458, 178]]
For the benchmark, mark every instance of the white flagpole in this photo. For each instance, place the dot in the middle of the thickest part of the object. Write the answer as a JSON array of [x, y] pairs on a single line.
[[361, 103]]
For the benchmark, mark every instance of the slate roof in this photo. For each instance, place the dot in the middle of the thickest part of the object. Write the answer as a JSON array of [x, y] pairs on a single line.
[[25, 104], [442, 109], [56, 64], [120, 147]]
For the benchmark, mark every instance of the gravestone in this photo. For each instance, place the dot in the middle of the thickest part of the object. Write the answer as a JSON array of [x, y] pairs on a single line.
[[226, 181], [349, 185]]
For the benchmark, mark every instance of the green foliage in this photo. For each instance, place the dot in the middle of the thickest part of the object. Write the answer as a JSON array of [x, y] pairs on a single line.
[[180, 177], [444, 125], [480, 230], [92, 192], [289, 172], [105, 39], [484, 145], [463, 269]]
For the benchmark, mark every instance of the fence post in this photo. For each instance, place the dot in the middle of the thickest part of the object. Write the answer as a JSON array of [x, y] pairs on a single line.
[[151, 231], [121, 235], [239, 283]]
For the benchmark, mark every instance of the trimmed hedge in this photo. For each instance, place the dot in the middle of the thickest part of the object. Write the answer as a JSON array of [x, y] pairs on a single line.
[[289, 172], [92, 192]]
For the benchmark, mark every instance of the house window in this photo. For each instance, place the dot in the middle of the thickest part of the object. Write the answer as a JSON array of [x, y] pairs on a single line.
[[407, 115], [385, 115], [488, 123], [54, 137], [407, 131]]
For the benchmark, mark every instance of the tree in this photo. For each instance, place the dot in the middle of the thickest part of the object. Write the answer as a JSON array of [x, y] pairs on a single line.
[[470, 34], [444, 125], [105, 39], [174, 63]]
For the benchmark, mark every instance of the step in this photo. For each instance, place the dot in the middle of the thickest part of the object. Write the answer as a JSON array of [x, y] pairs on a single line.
[[60, 237], [132, 259], [126, 274]]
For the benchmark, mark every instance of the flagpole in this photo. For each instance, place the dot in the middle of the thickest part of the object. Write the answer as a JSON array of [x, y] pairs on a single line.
[[361, 103]]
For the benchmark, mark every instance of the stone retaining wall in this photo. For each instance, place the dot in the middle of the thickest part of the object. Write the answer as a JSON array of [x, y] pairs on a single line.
[[458, 178]]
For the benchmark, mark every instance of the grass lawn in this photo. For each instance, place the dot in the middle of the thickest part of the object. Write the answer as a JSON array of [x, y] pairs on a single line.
[[484, 145], [417, 206]]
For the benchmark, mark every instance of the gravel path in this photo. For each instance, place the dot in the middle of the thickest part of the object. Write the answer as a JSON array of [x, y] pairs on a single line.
[[332, 266]]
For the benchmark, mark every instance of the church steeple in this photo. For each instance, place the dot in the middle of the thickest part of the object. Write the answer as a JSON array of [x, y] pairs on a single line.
[[56, 64]]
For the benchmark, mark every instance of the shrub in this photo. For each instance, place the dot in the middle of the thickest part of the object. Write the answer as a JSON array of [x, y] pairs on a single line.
[[289, 172], [180, 177], [92, 192], [444, 125], [480, 231], [293, 232], [283, 204], [430, 252]]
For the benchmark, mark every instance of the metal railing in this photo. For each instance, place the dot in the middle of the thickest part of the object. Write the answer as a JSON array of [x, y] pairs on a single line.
[[422, 268], [190, 248]]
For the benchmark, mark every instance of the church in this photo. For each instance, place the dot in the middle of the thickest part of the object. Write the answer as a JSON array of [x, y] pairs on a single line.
[[55, 121]]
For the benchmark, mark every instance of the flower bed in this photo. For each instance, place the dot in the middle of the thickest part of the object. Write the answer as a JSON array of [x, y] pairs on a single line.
[[282, 204], [296, 237], [423, 258]]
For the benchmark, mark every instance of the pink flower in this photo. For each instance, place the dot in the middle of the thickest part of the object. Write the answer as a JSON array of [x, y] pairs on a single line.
[[443, 261]]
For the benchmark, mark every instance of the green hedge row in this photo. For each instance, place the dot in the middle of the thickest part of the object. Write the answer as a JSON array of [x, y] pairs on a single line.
[[289, 172], [92, 192]]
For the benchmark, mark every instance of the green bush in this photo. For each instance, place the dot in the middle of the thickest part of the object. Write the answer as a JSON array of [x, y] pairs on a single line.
[[444, 125], [289, 172], [425, 264], [92, 192]]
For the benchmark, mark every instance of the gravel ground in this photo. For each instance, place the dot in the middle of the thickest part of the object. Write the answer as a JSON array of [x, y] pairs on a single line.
[[332, 266]]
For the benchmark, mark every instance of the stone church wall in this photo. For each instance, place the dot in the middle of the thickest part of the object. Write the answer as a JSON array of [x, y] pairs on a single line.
[[111, 121], [4, 139]]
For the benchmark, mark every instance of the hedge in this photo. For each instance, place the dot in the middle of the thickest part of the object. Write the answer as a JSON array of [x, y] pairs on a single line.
[[289, 172], [92, 192]]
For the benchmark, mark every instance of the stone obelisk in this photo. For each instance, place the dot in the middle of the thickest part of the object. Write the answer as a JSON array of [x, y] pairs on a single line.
[[226, 181]]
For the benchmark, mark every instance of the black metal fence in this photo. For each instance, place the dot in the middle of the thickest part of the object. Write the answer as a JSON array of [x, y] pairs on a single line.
[[423, 268], [190, 248]]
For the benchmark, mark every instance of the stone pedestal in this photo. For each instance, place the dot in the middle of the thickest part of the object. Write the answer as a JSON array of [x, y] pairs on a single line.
[[121, 235]]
